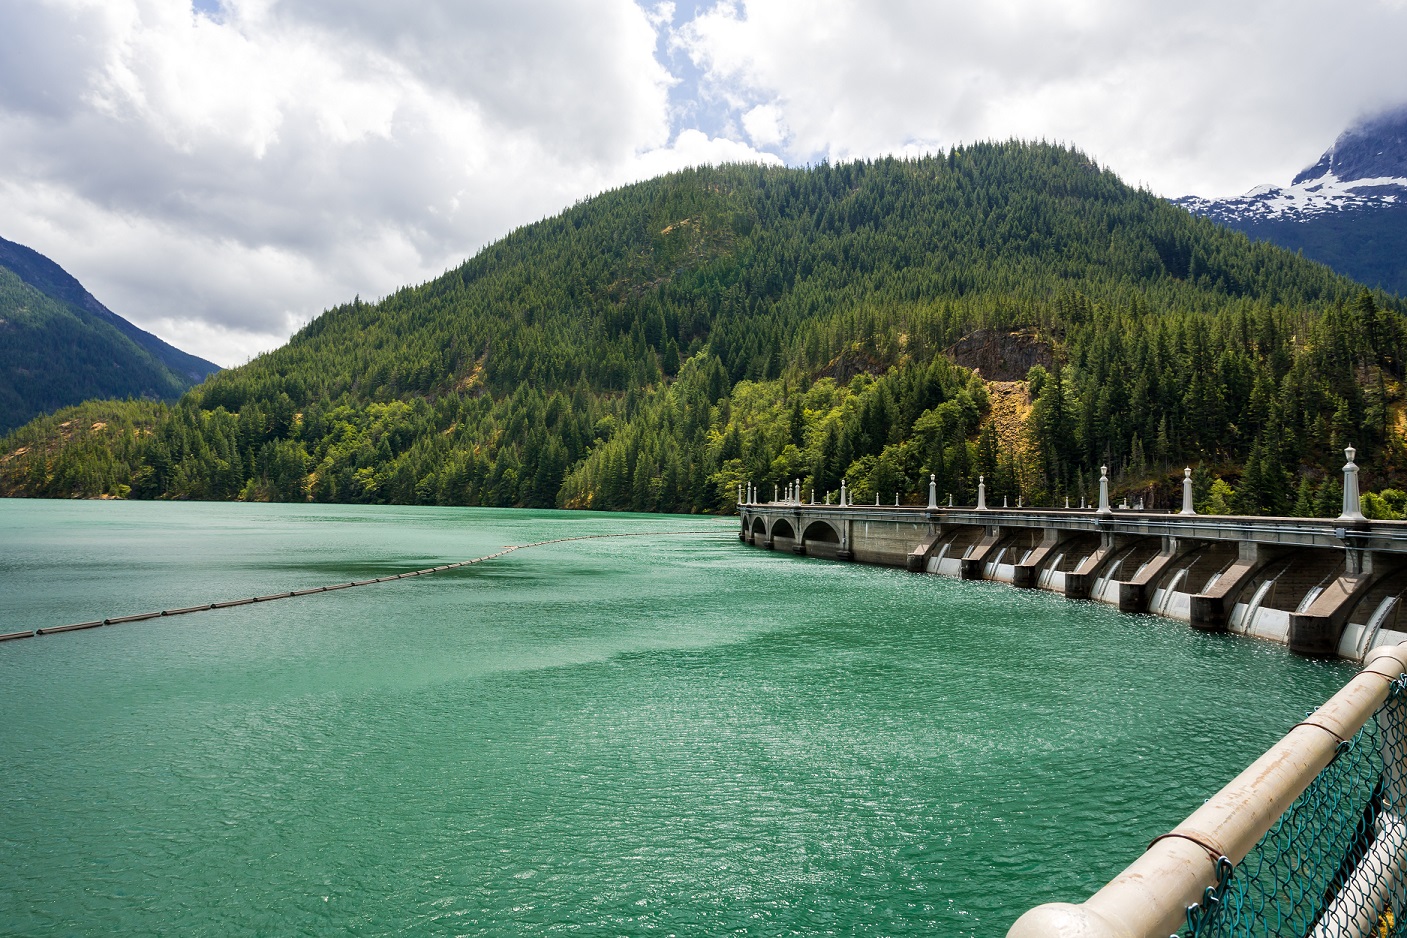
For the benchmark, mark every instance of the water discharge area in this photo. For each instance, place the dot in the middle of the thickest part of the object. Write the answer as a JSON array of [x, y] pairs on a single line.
[[629, 734]]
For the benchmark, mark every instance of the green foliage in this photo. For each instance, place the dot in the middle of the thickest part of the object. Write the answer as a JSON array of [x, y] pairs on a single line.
[[1387, 505], [1220, 498], [656, 347], [52, 354], [1366, 244]]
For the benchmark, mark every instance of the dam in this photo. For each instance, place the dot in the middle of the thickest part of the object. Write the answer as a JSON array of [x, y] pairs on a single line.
[[1323, 587], [1311, 838]]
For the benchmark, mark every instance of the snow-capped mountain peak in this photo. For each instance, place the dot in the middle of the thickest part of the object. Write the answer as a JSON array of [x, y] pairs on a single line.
[[1365, 168], [1374, 148]]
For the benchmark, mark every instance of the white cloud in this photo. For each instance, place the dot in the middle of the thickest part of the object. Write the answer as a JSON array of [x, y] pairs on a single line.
[[1200, 96], [764, 125], [661, 15]]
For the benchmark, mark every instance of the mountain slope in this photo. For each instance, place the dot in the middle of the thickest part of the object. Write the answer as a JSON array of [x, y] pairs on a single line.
[[1348, 210], [655, 346], [61, 346]]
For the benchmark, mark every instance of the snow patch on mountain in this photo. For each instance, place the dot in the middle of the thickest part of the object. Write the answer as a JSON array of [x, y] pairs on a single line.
[[1365, 168], [1328, 193]]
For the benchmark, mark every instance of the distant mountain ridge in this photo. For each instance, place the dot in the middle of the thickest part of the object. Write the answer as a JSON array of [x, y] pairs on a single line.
[[59, 345], [53, 281], [1348, 210]]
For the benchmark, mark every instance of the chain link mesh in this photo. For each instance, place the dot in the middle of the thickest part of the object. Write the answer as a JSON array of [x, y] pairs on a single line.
[[1335, 864]]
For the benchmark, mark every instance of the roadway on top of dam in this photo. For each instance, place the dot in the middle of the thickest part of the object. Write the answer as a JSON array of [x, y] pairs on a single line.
[[1382, 536]]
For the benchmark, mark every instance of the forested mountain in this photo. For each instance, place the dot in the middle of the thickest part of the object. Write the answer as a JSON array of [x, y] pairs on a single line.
[[1348, 210], [60, 346], [654, 347]]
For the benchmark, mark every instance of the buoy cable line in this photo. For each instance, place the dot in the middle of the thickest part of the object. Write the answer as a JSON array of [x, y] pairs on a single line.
[[228, 603]]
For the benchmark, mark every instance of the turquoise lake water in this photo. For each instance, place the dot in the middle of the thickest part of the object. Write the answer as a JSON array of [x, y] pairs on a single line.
[[671, 735]]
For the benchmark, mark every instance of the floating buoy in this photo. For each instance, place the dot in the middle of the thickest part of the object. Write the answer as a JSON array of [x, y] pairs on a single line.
[[181, 612], [76, 627]]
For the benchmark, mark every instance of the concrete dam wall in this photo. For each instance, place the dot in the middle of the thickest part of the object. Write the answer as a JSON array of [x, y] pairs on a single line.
[[1323, 588]]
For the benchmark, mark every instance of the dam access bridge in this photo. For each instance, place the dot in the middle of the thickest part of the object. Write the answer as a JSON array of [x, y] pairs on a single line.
[[1323, 587]]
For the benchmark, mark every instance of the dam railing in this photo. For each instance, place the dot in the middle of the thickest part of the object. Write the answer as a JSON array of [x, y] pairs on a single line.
[[1309, 841]]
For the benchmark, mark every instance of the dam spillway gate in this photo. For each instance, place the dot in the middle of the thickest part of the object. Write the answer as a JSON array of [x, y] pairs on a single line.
[[1324, 588]]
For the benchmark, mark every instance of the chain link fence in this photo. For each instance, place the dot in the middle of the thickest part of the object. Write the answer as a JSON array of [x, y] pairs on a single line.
[[1335, 864]]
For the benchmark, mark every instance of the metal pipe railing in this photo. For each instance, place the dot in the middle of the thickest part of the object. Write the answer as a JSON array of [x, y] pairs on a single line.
[[1150, 898]]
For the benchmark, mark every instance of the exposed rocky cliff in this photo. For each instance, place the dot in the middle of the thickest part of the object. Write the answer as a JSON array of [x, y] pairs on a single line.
[[1002, 355]]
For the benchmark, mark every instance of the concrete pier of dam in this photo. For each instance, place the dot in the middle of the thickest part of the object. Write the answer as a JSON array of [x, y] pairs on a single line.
[[1327, 588]]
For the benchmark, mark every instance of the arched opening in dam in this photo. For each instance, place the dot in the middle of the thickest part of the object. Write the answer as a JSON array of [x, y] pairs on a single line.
[[821, 540], [783, 535]]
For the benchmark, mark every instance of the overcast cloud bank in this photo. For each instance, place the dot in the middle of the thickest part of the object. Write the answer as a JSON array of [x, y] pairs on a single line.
[[221, 175]]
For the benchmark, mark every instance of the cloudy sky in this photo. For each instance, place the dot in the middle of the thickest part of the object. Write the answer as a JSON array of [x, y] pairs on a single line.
[[221, 173]]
